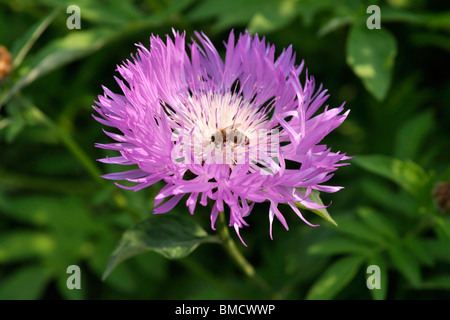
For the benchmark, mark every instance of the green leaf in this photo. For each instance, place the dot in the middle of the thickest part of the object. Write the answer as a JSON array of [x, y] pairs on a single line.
[[377, 222], [276, 15], [441, 281], [101, 12], [443, 226], [406, 174], [335, 278], [437, 20], [339, 245], [378, 260], [308, 9], [261, 16], [405, 264], [172, 236], [335, 23], [418, 248], [315, 197], [26, 283], [23, 45], [21, 245], [412, 134], [58, 53], [354, 228], [438, 249], [371, 54], [388, 198]]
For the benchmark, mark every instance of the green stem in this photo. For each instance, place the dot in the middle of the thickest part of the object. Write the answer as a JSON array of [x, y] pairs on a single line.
[[77, 151], [240, 261], [67, 139]]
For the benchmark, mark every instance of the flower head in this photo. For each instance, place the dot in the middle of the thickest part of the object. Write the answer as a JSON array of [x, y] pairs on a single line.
[[236, 131]]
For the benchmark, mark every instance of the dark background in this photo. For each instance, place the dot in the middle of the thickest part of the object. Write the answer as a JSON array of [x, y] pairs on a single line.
[[55, 211]]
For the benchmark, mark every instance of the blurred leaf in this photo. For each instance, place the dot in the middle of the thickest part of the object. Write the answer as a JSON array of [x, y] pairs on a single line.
[[261, 16], [315, 197], [405, 264], [378, 260], [377, 222], [12, 126], [353, 227], [431, 39], [20, 245], [436, 20], [308, 9], [335, 278], [417, 247], [334, 23], [273, 17], [436, 282], [445, 176], [170, 235], [26, 283], [59, 53], [406, 174], [443, 226], [338, 245], [101, 12], [56, 212], [383, 195], [73, 294], [371, 54], [412, 134], [438, 249], [23, 45]]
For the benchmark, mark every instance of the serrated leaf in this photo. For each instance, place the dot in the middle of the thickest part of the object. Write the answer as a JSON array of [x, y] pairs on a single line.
[[335, 278], [377, 222], [371, 54], [378, 260], [338, 245], [173, 236], [407, 174], [405, 264], [315, 197]]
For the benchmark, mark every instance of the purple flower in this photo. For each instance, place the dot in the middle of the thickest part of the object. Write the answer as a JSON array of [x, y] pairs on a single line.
[[236, 131]]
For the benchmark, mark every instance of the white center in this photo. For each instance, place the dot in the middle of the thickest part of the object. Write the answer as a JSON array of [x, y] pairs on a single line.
[[224, 127]]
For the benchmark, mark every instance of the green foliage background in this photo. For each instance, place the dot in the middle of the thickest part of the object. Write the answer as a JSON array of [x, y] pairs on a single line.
[[55, 211]]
